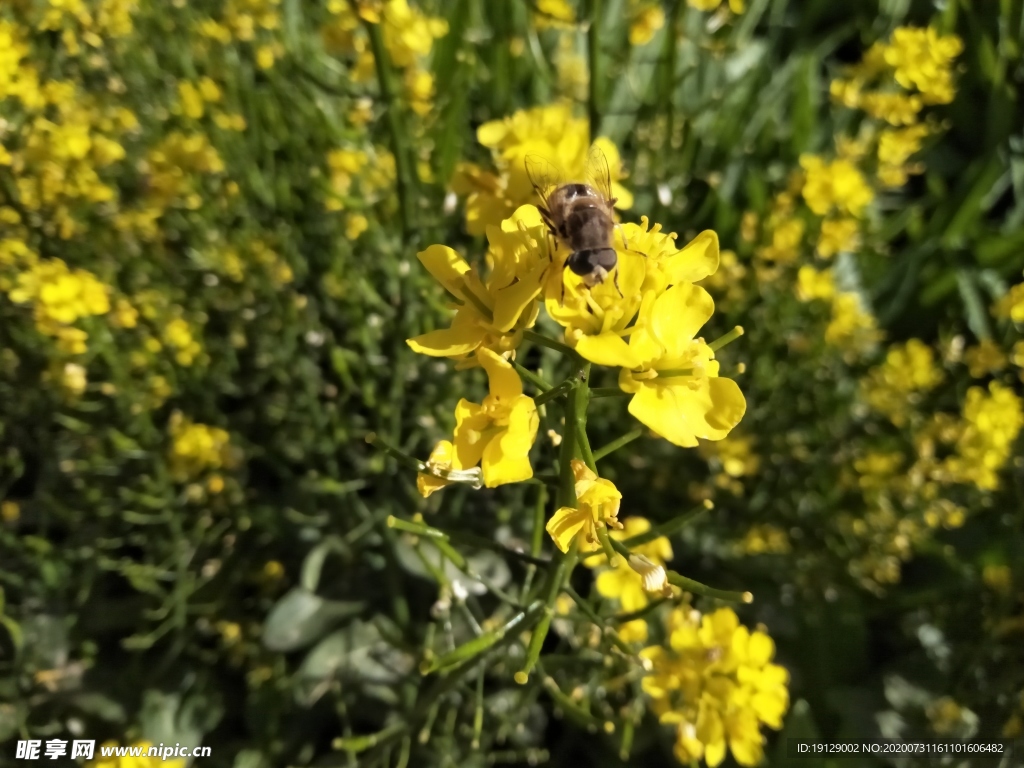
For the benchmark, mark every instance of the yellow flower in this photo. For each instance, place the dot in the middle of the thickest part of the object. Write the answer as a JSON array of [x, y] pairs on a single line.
[[985, 358], [553, 13], [444, 469], [597, 504], [992, 423], [838, 185], [491, 314], [716, 684], [676, 389], [908, 369], [196, 447], [736, 6], [74, 378], [852, 327], [355, 225], [838, 236], [9, 511], [923, 60], [551, 133], [1011, 305], [647, 20], [498, 433], [895, 108]]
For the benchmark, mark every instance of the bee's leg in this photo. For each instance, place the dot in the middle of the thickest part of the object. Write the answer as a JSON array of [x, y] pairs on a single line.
[[561, 300], [615, 280]]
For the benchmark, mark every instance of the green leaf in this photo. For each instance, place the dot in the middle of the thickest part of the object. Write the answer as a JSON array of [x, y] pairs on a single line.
[[301, 617]]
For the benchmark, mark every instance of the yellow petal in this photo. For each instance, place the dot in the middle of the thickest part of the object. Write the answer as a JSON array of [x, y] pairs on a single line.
[[505, 383], [565, 524], [608, 349], [698, 259], [761, 649], [610, 583], [681, 414], [509, 302], [506, 459], [491, 134], [448, 342], [428, 484], [470, 423], [446, 266], [678, 314], [770, 706]]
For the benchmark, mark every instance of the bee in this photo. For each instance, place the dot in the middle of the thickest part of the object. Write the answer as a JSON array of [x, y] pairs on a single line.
[[580, 215]]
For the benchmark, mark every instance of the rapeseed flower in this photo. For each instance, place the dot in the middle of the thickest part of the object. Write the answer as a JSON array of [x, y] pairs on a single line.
[[837, 185], [893, 387], [716, 685], [597, 506], [196, 447], [496, 434], [551, 133], [992, 422], [677, 392]]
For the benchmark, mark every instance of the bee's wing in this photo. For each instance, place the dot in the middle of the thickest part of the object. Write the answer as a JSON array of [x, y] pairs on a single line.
[[597, 172], [544, 176]]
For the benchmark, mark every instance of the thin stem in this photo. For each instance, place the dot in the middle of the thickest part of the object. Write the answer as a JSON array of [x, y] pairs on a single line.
[[547, 341], [597, 621], [579, 417], [553, 394], [376, 440], [728, 338], [705, 591], [531, 377], [557, 577], [385, 78], [619, 442], [478, 645], [570, 707]]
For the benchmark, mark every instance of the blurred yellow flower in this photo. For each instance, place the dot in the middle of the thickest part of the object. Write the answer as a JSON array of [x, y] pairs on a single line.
[[985, 358], [837, 185], [894, 386], [840, 235], [646, 20], [923, 59], [715, 684]]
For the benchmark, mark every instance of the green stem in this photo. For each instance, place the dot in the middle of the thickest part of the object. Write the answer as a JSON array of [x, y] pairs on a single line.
[[385, 78], [478, 645], [728, 338], [531, 377], [705, 591], [597, 621], [647, 610], [538, 538], [556, 579], [403, 458], [573, 710], [547, 341], [666, 529], [579, 418], [362, 743], [553, 394], [619, 442], [477, 302]]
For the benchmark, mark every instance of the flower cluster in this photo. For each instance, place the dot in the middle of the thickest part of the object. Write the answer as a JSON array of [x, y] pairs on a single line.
[[196, 448], [716, 685], [550, 132], [408, 35]]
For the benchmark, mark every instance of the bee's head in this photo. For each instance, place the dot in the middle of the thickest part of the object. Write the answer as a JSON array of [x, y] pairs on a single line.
[[593, 264]]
